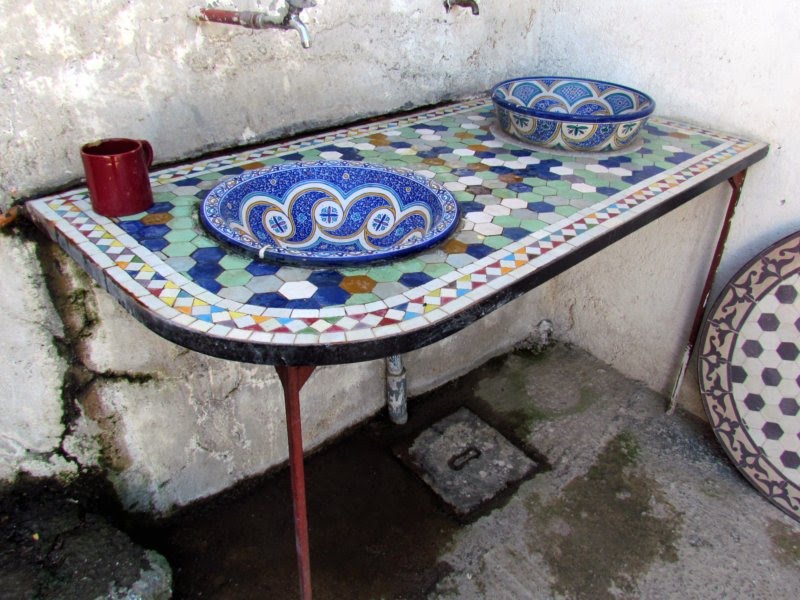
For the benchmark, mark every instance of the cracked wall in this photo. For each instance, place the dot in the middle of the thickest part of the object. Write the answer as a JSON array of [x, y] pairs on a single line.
[[31, 426], [87, 385], [171, 426]]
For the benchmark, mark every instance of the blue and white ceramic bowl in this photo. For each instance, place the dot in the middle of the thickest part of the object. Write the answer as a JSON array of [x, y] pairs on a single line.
[[567, 113], [329, 212]]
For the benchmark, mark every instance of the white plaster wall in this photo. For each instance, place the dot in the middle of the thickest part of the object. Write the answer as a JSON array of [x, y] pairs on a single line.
[[728, 64], [172, 426], [76, 71], [168, 425], [32, 372]]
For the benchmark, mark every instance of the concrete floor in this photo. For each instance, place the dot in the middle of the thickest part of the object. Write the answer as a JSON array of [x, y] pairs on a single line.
[[630, 503]]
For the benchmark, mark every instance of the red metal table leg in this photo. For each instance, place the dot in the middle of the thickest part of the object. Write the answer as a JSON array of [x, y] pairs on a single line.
[[293, 379], [736, 182]]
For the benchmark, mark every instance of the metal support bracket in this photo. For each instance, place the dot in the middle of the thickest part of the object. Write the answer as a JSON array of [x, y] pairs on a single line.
[[736, 182]]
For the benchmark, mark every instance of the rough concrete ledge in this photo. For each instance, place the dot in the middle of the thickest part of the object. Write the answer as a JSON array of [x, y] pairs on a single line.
[[54, 544]]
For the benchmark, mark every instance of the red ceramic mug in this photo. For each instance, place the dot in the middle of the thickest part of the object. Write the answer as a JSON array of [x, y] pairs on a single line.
[[117, 175]]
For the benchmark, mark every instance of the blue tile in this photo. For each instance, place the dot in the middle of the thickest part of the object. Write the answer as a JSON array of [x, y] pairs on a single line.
[[653, 130], [471, 207], [606, 191], [501, 170], [269, 299], [479, 250], [205, 270], [515, 233], [414, 279], [331, 295], [187, 181], [541, 207], [212, 285], [257, 268], [210, 255], [155, 245], [326, 278], [160, 207], [312, 302], [679, 157], [643, 174], [133, 228], [519, 188]]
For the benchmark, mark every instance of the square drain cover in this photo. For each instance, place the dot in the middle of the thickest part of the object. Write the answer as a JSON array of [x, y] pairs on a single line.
[[465, 461]]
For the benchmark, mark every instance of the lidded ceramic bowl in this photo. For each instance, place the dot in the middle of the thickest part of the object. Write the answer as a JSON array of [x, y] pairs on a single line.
[[572, 114]]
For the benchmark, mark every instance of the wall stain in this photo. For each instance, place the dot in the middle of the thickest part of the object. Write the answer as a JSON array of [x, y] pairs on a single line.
[[587, 560], [70, 292]]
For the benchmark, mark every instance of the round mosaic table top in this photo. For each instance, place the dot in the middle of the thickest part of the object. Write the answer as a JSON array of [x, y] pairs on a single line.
[[750, 373]]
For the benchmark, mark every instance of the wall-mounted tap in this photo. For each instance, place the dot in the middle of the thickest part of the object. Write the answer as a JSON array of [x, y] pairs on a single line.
[[259, 20], [473, 4]]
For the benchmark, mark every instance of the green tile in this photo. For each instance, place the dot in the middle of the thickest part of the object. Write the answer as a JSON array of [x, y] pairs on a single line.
[[496, 241], [203, 241], [180, 235], [234, 277], [506, 221], [182, 223], [410, 265], [566, 211], [384, 273], [361, 299], [437, 269], [179, 249], [233, 262], [532, 224], [354, 271], [531, 197], [504, 193], [464, 196], [446, 177], [545, 191], [181, 211]]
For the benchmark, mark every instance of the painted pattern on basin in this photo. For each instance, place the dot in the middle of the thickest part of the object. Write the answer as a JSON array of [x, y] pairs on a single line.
[[330, 212], [571, 114]]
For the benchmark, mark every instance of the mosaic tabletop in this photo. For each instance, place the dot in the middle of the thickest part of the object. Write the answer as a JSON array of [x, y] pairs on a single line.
[[750, 372], [526, 216]]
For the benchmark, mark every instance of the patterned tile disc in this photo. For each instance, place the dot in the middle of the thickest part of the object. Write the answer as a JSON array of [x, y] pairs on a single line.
[[750, 373]]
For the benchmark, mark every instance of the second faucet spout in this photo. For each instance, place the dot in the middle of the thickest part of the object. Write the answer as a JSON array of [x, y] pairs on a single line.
[[473, 4]]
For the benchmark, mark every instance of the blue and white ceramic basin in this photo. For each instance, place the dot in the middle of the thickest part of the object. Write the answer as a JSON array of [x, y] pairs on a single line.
[[330, 212], [567, 113]]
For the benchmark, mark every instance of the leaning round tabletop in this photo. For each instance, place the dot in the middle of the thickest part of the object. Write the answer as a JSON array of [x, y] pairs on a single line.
[[749, 371]]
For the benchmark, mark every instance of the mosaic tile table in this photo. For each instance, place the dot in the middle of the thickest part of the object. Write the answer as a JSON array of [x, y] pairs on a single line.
[[527, 216]]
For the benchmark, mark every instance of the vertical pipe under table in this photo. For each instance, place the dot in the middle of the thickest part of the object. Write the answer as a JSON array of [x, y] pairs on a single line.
[[292, 378]]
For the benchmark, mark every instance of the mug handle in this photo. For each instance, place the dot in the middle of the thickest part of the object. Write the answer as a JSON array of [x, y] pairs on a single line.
[[148, 152]]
